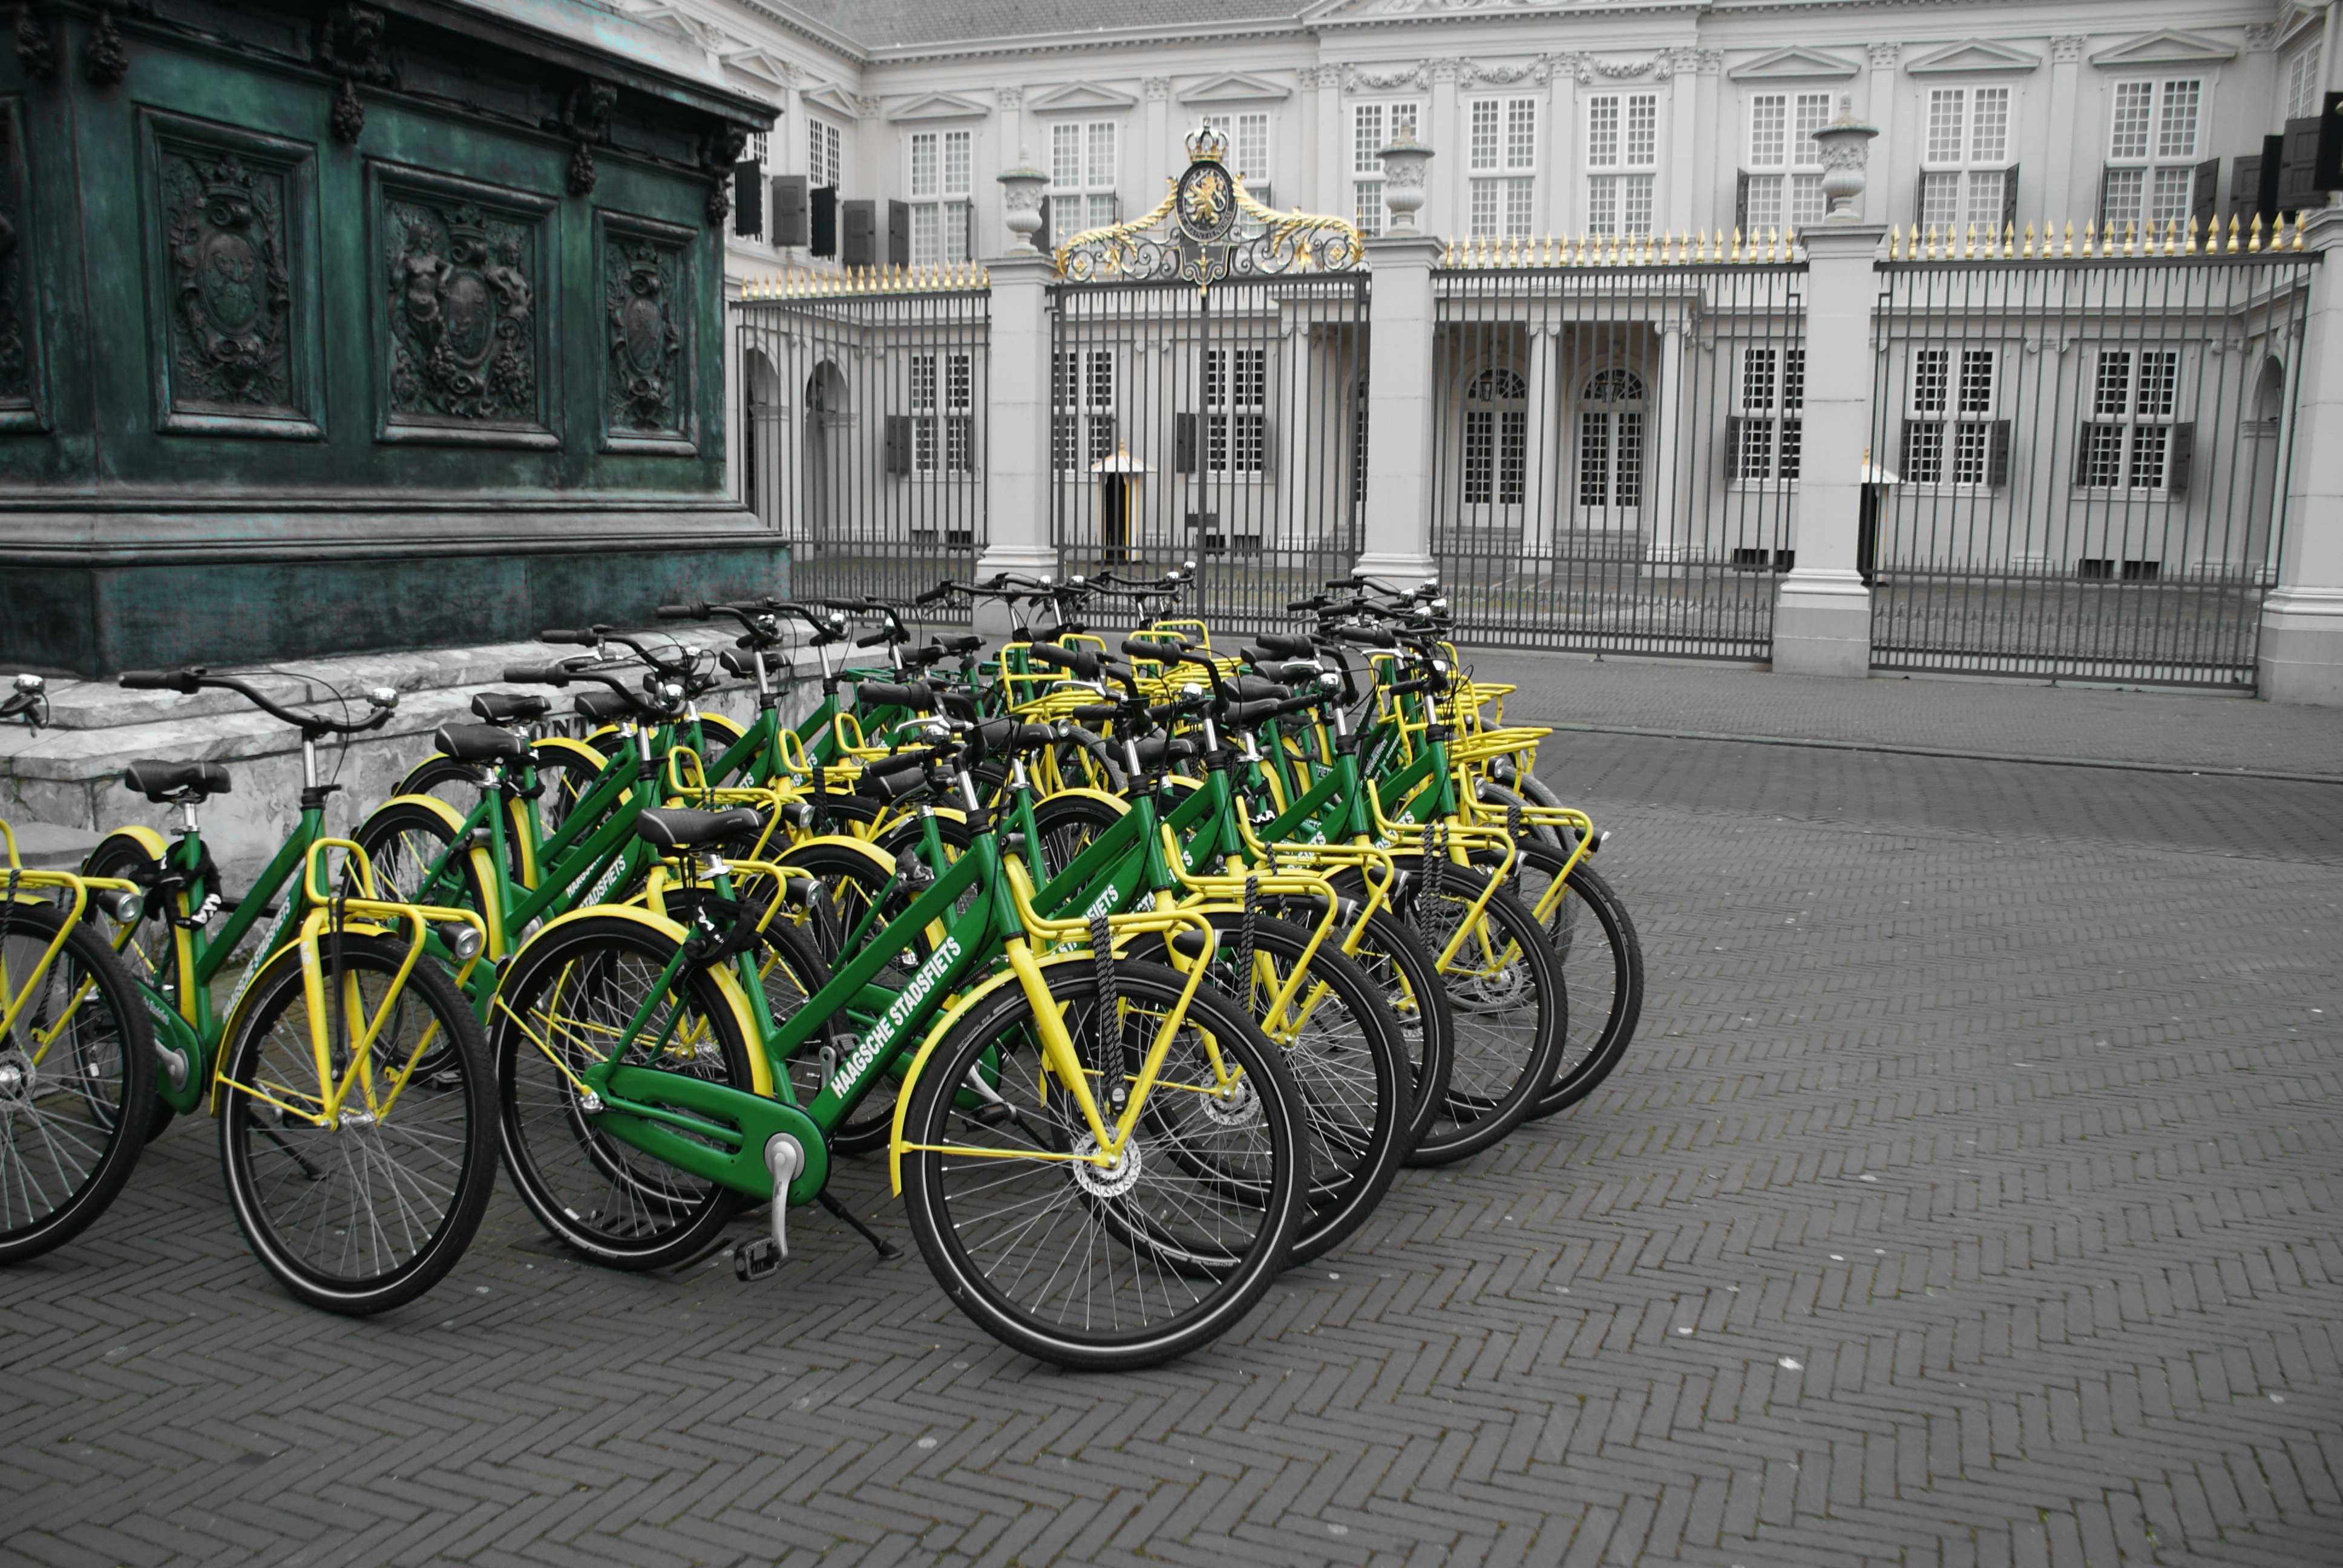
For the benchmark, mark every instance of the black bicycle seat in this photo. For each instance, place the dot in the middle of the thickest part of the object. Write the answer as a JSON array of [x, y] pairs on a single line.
[[605, 707], [511, 707], [681, 827], [168, 782], [481, 743]]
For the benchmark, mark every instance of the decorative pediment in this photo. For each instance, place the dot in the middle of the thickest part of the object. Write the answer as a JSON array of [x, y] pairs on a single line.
[[676, 22], [938, 106], [1794, 63], [2165, 47], [834, 99], [1973, 54], [1233, 87], [1078, 95], [757, 64]]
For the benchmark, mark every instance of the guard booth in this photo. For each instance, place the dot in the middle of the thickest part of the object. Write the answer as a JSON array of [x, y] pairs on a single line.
[[1121, 494]]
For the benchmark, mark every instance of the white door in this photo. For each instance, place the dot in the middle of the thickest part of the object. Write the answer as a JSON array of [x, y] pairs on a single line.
[[1611, 450], [1496, 450]]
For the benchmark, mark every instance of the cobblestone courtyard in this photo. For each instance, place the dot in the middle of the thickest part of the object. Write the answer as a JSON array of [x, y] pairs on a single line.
[[1969, 1198]]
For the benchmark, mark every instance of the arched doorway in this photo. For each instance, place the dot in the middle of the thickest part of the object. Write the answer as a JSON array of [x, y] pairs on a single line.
[[2264, 444], [826, 413], [1496, 449], [1611, 407], [761, 411]]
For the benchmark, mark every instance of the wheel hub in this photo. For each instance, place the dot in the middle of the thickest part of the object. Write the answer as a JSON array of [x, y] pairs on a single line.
[[1233, 1105], [15, 1077], [1111, 1180]]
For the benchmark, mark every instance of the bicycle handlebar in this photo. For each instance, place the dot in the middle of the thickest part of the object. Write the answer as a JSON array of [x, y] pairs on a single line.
[[191, 678]]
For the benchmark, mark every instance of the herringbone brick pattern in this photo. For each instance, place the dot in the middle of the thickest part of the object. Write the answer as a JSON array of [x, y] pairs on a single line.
[[1969, 1200]]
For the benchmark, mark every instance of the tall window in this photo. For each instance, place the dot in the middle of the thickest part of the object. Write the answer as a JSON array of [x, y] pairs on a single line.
[[1374, 126], [1248, 136], [2151, 152], [1781, 188], [940, 196], [1236, 388], [1082, 175], [1611, 439], [1623, 155], [1950, 435], [823, 158], [1496, 439], [2302, 82], [1503, 156], [1767, 423], [1963, 163], [2134, 439], [943, 414], [1082, 409]]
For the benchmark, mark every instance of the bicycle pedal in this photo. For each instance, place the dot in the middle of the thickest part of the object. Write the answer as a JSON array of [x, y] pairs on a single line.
[[757, 1260], [993, 1113]]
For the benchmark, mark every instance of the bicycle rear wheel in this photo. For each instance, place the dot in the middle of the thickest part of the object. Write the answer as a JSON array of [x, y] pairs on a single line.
[[76, 1080], [370, 1213], [1104, 1268], [1602, 960]]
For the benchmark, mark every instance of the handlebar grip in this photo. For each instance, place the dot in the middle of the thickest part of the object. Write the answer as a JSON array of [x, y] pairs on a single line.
[[887, 694], [886, 785], [1083, 666], [697, 610], [1161, 652], [536, 675], [1367, 636], [1409, 688], [1096, 712], [158, 680], [565, 636], [1304, 703], [880, 639]]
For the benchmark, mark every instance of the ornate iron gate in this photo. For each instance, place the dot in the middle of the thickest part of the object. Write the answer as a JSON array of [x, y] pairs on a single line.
[[1618, 443], [2081, 462], [1208, 366]]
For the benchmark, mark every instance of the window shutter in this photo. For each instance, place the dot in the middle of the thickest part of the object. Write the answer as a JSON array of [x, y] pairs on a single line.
[[962, 428], [899, 233], [967, 230], [789, 210], [1183, 444], [859, 242], [1996, 461], [822, 221], [2176, 455], [1920, 200], [2009, 199], [2082, 479], [2245, 181], [2104, 171], [1732, 425], [898, 443], [2205, 194], [2298, 166], [2328, 174], [749, 198], [2273, 157], [1741, 199]]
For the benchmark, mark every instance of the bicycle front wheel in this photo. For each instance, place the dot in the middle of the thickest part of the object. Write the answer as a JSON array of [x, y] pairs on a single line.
[[76, 1080], [1105, 1267], [369, 1210]]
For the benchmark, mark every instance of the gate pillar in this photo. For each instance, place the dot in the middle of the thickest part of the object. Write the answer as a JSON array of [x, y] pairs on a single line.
[[2301, 657], [1822, 619], [1400, 411], [1017, 433]]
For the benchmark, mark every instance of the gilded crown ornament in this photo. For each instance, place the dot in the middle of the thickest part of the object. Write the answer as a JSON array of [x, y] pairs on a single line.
[[1198, 232]]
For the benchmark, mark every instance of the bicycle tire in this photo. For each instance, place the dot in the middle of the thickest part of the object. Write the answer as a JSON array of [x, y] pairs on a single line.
[[1237, 1268], [1612, 1025], [462, 1159], [150, 955], [109, 1045]]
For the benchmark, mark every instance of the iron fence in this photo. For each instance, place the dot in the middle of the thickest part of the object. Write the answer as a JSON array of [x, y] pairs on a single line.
[[1617, 450], [2080, 465], [1220, 424], [863, 431]]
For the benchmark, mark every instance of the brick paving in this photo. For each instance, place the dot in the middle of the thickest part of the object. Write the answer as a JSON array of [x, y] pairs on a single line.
[[1969, 1199]]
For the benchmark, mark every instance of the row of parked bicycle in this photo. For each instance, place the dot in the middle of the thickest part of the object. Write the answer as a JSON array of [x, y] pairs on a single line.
[[1146, 965]]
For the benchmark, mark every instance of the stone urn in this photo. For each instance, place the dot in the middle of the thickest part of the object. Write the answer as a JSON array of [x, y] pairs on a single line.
[[1404, 162], [1020, 204], [1846, 145]]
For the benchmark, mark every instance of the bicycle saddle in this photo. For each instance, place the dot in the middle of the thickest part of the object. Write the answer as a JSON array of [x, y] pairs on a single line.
[[168, 782], [511, 707], [605, 707], [481, 743], [1162, 751], [681, 827]]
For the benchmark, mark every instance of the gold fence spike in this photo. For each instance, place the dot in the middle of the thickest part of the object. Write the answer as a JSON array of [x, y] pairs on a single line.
[[2131, 234], [2254, 235], [2192, 235]]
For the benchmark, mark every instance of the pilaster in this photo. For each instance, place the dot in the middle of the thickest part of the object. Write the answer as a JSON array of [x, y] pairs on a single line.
[[1400, 410], [1016, 440], [2301, 655]]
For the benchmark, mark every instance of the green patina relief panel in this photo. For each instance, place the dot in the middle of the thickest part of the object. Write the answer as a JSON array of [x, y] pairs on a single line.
[[464, 305], [231, 285], [20, 338], [646, 307]]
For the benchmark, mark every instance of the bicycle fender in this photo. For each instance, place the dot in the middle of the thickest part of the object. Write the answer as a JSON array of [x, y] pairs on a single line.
[[943, 1026], [482, 867], [147, 839], [577, 748], [760, 1071], [1122, 805], [407, 779], [880, 859]]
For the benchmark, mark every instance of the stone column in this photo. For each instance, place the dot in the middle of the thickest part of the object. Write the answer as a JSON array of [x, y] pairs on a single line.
[[1017, 427], [1674, 209], [1547, 450], [1400, 407], [1667, 469], [1560, 140], [1879, 107], [1332, 172], [1444, 213], [2301, 657], [1160, 137], [1822, 619], [2057, 186]]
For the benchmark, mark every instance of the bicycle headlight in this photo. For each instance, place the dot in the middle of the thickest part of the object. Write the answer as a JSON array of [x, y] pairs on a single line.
[[123, 906], [461, 939]]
